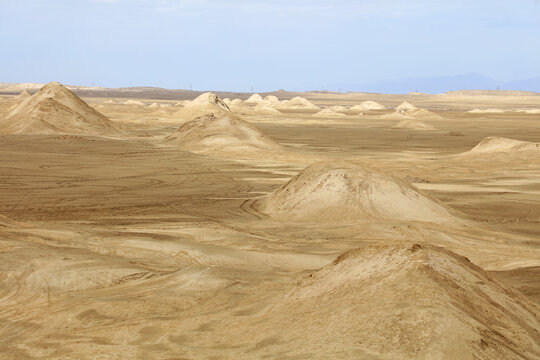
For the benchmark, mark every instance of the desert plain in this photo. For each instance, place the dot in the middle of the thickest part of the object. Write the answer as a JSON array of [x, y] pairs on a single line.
[[146, 223]]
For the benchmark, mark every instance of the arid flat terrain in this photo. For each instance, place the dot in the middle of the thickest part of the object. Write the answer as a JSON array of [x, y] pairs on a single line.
[[147, 223]]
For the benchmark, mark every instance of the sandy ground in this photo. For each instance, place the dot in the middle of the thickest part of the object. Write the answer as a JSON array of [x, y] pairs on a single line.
[[126, 247]]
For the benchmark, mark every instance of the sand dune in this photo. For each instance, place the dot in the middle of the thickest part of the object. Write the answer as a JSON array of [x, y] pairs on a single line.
[[55, 109], [409, 301], [222, 132], [343, 191]]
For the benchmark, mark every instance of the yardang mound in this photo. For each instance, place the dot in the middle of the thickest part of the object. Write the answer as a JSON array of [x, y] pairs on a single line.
[[329, 113], [254, 99], [331, 191], [408, 301], [368, 106], [234, 102], [413, 125], [223, 132], [55, 110], [266, 109], [409, 111], [492, 145], [299, 103], [207, 103], [25, 94], [405, 107], [271, 99]]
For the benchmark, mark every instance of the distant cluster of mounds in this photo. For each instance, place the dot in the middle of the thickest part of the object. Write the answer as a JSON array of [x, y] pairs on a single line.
[[271, 105], [411, 117], [407, 110], [340, 111], [55, 110], [212, 125]]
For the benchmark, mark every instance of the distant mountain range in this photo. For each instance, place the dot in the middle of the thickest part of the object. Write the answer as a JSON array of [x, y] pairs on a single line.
[[442, 84], [429, 85]]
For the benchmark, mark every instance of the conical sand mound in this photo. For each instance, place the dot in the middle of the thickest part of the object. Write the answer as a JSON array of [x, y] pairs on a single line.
[[407, 301], [134, 103], [411, 112], [207, 103], [269, 101], [23, 95], [413, 125], [234, 103], [266, 109], [55, 109], [272, 99], [299, 103], [329, 113], [333, 191], [254, 99], [492, 145], [406, 106], [368, 106], [223, 132]]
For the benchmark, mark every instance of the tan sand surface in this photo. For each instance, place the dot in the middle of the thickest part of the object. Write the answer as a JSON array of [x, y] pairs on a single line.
[[210, 230]]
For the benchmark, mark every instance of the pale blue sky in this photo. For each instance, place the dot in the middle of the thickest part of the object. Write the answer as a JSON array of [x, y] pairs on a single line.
[[265, 44]]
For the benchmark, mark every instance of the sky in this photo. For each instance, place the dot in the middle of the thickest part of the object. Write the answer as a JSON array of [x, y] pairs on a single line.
[[264, 45]]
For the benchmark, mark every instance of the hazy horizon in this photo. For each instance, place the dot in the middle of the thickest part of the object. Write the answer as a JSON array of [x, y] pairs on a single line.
[[260, 46]]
